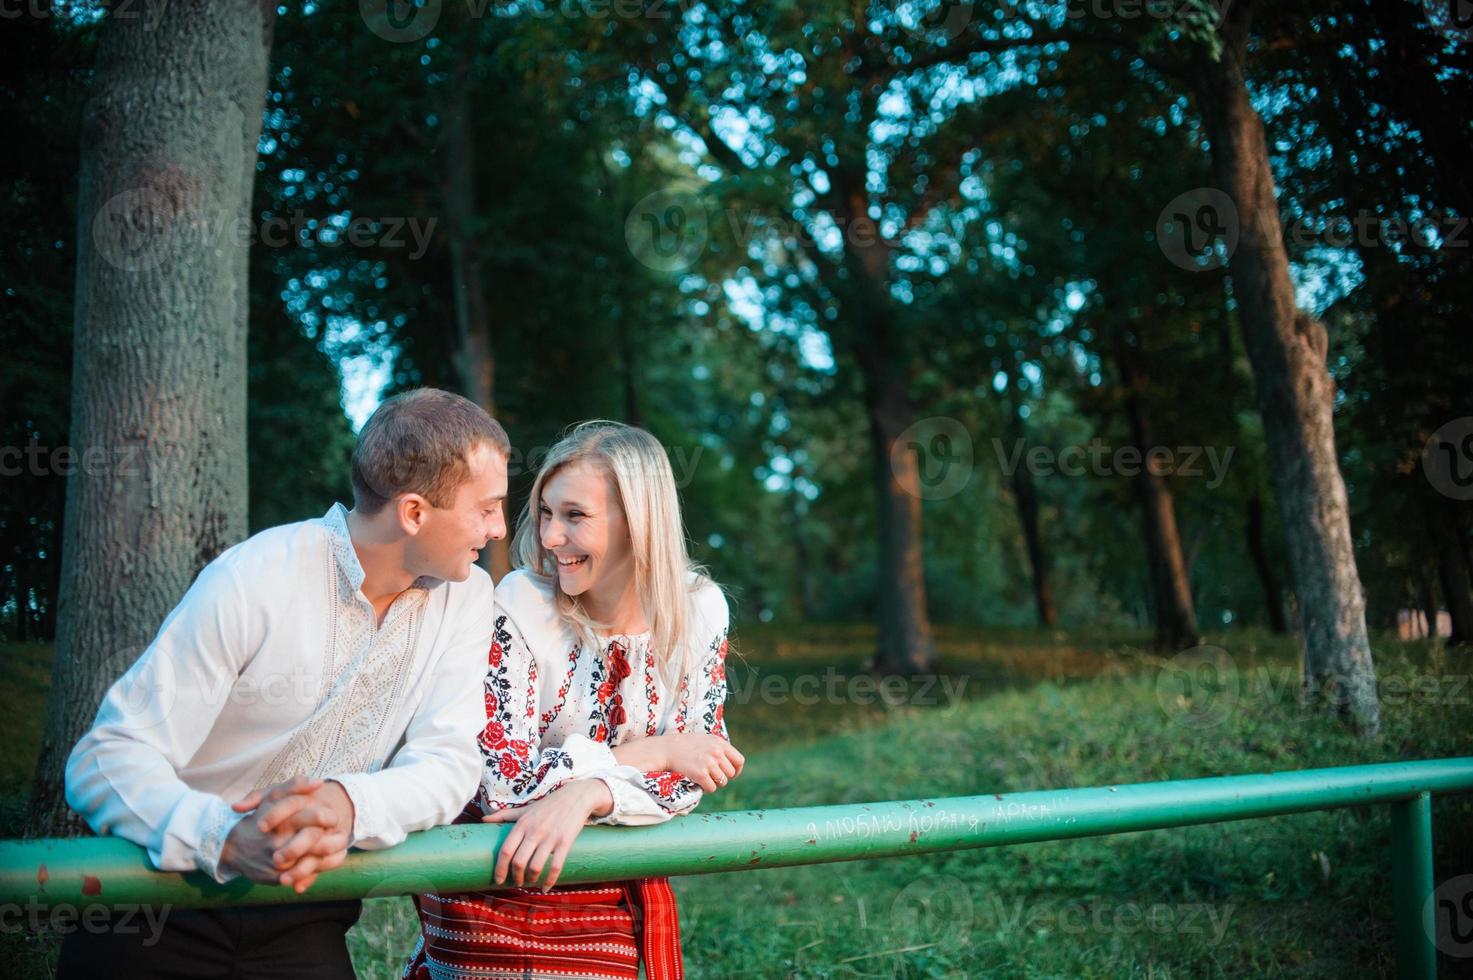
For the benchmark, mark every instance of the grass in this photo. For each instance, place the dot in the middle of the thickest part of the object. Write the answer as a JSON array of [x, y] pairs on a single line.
[[1306, 895]]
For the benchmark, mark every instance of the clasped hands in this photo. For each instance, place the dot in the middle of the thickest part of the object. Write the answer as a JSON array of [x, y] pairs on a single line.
[[299, 829], [546, 828]]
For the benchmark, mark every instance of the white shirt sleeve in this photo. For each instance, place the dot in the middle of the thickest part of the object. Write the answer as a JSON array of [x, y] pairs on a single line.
[[436, 770], [642, 798], [122, 777]]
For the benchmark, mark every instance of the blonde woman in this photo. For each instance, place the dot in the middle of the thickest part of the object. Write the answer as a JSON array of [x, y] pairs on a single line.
[[604, 695]]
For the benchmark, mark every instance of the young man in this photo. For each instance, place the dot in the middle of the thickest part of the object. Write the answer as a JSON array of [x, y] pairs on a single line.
[[318, 687]]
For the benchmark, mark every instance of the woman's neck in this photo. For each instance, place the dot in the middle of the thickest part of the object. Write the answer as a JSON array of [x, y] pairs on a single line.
[[621, 613]]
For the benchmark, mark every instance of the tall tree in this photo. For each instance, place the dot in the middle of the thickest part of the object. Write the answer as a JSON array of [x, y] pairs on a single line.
[[168, 156], [1287, 348]]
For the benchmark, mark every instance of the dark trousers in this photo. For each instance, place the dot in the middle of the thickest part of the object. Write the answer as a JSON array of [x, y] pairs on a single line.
[[262, 943]]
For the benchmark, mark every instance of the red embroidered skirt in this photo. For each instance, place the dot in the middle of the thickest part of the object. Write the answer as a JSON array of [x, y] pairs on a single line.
[[594, 931]]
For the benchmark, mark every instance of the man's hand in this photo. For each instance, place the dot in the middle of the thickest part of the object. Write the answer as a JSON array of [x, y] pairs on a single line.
[[300, 829], [545, 831]]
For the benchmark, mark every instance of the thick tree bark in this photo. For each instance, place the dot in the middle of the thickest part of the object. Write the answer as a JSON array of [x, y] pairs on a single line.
[[475, 360], [1272, 599], [159, 370], [1176, 615], [1288, 350]]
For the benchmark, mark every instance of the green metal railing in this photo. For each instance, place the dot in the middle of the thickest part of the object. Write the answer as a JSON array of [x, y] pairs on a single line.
[[459, 858]]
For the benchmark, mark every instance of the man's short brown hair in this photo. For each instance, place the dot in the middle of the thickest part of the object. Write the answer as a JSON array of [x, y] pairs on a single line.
[[418, 442]]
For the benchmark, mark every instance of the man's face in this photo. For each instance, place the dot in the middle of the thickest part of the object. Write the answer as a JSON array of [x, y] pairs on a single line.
[[450, 539]]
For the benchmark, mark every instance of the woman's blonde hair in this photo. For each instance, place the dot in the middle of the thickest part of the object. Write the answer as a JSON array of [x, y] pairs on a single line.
[[665, 576]]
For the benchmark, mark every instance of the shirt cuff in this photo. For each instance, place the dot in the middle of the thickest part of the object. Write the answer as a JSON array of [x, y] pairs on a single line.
[[632, 805], [200, 823], [368, 819]]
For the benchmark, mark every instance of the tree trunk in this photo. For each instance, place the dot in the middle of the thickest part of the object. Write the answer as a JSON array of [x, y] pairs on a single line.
[[1295, 394], [475, 361], [905, 642], [1025, 494], [1452, 571], [1176, 616], [159, 363], [802, 561], [1272, 600]]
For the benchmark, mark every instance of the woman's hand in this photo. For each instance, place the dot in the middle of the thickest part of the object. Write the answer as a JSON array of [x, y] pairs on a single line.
[[709, 761], [545, 831]]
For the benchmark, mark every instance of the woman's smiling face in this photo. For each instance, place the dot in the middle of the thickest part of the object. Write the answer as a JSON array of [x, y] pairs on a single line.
[[583, 527]]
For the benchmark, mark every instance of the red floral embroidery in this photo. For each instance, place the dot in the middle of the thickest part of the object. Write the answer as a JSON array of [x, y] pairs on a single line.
[[510, 767], [519, 747], [616, 715], [494, 736], [495, 656], [666, 781]]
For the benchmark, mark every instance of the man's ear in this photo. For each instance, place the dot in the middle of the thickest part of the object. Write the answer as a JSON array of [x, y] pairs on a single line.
[[413, 511]]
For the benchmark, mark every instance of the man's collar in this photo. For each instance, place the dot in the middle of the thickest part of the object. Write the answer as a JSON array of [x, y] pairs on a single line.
[[336, 522]]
